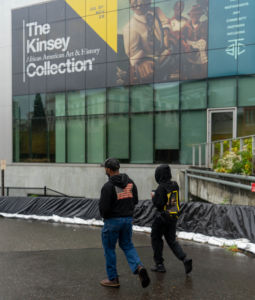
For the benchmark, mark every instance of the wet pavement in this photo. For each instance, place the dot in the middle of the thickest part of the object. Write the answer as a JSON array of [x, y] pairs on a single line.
[[56, 261]]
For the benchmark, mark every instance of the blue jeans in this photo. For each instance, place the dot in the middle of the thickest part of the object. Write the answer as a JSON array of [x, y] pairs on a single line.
[[114, 230]]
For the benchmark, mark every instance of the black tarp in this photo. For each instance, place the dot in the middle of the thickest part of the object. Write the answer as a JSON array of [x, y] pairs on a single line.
[[227, 221]]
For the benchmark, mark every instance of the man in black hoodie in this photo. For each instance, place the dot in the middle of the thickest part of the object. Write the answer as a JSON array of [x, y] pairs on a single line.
[[166, 200], [117, 203]]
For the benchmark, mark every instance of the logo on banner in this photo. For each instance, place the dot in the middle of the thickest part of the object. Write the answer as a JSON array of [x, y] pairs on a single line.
[[236, 48], [33, 45]]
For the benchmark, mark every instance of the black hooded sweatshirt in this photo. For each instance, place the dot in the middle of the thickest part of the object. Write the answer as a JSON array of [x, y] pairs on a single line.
[[118, 197], [163, 177]]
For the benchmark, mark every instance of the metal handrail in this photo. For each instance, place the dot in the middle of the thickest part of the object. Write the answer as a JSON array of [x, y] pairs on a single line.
[[210, 150], [33, 188], [229, 183]]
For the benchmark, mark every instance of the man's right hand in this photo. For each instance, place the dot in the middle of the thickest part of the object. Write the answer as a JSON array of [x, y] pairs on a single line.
[[145, 69]]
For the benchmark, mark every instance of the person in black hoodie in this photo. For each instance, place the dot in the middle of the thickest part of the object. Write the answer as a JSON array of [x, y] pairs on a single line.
[[166, 200], [116, 205]]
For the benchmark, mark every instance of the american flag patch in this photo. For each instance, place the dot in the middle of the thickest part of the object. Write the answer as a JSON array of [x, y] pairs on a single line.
[[124, 193]]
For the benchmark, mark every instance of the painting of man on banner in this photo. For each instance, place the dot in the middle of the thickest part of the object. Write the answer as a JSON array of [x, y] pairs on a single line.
[[156, 37]]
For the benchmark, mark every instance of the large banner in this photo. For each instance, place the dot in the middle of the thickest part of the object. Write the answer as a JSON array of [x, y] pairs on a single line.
[[78, 44]]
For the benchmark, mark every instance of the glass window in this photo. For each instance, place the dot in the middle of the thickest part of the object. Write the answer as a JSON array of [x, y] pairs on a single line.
[[20, 141], [60, 139], [55, 104], [118, 137], [193, 131], [246, 121], [20, 107], [246, 91], [142, 138], [76, 140], [75, 103], [96, 101], [96, 142], [39, 140], [51, 139], [166, 96], [167, 137], [37, 106], [141, 98], [222, 92], [118, 99], [194, 95]]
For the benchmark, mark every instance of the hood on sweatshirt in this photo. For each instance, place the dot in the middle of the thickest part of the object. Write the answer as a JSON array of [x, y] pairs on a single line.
[[119, 180], [163, 174]]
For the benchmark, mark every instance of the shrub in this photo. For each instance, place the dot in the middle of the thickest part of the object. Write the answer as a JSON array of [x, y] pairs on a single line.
[[234, 161]]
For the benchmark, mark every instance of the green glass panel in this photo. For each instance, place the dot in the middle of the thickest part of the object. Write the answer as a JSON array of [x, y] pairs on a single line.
[[96, 101], [20, 107], [222, 92], [118, 99], [96, 142], [55, 104], [76, 140], [60, 100], [193, 131], [194, 95], [76, 103], [60, 135], [118, 136], [166, 96], [141, 98], [167, 130], [20, 141], [246, 91], [246, 121], [39, 140], [142, 138]]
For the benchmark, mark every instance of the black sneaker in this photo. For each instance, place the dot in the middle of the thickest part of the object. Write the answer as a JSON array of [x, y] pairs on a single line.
[[144, 277], [188, 265], [158, 268]]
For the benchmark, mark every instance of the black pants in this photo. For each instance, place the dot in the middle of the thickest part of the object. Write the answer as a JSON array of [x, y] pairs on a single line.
[[168, 229]]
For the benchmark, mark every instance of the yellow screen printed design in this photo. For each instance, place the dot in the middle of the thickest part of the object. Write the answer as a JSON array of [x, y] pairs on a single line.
[[172, 205], [93, 12]]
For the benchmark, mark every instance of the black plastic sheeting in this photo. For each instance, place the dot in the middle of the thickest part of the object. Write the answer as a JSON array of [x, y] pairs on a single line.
[[226, 221]]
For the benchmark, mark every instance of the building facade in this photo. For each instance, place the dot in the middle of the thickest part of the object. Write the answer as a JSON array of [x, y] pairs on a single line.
[[138, 80]]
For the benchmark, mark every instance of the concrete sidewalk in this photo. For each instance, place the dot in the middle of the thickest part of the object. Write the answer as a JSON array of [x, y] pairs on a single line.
[[54, 261]]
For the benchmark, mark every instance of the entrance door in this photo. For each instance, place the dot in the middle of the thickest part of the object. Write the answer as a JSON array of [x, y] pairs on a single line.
[[221, 124]]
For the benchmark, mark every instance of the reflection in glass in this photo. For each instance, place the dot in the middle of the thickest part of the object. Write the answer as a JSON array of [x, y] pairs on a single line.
[[246, 90], [55, 104], [39, 140], [75, 103], [166, 96], [60, 140], [167, 137], [20, 141], [118, 99], [118, 137], [142, 138], [141, 98], [222, 93], [246, 121], [76, 140], [96, 101], [20, 107], [96, 141], [194, 95], [37, 106], [222, 126], [193, 131]]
